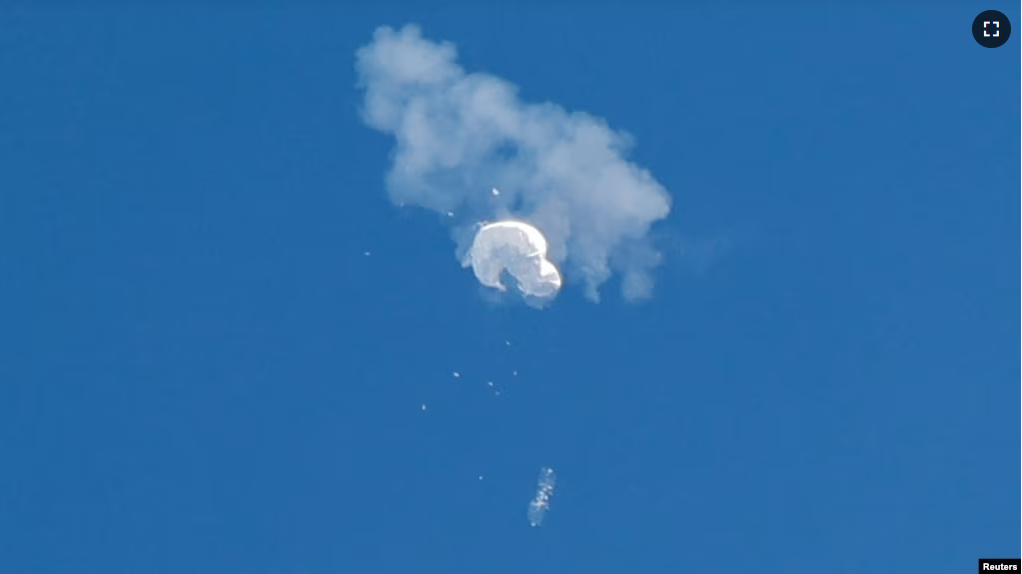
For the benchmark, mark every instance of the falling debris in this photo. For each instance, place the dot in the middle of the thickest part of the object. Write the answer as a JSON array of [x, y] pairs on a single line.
[[494, 386], [366, 253], [514, 373], [423, 407], [480, 477], [457, 374], [507, 343], [495, 192], [541, 502]]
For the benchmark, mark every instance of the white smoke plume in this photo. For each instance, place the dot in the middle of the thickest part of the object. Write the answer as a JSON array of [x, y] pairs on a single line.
[[460, 135]]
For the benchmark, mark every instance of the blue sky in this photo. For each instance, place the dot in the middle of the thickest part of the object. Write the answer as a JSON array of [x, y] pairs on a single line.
[[201, 371]]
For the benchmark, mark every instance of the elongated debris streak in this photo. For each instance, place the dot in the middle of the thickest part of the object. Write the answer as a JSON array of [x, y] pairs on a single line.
[[541, 502]]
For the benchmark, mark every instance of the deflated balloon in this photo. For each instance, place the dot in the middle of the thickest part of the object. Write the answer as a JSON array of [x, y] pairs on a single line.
[[518, 249]]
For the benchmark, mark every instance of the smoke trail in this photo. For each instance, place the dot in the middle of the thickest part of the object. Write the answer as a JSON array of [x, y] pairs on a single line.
[[460, 135]]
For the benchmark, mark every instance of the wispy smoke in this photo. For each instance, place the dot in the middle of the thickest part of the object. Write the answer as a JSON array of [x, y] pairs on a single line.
[[459, 135]]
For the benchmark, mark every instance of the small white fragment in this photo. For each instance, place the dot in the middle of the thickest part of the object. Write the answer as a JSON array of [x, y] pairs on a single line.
[[507, 343], [456, 374], [366, 253], [489, 383], [450, 214], [423, 407], [495, 192], [480, 477], [514, 373]]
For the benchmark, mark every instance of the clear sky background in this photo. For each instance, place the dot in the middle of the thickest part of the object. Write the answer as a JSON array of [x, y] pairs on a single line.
[[201, 371]]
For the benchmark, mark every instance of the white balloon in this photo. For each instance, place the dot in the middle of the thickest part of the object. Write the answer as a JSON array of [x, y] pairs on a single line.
[[519, 249]]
